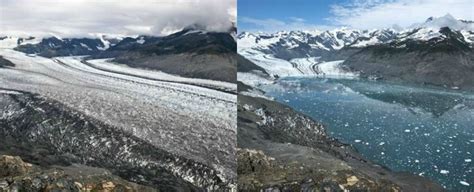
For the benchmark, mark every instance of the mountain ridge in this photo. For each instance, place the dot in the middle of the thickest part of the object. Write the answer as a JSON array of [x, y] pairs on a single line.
[[443, 42], [191, 52]]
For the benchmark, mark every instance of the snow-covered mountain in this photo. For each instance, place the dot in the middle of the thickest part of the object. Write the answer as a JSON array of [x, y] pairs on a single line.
[[302, 53], [191, 52], [294, 44], [298, 43], [299, 52], [57, 46]]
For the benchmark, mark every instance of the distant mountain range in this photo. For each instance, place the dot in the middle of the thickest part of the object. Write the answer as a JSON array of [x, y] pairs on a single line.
[[191, 52], [438, 51]]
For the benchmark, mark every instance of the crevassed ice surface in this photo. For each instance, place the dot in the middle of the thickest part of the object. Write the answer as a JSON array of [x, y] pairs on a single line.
[[426, 131], [186, 120]]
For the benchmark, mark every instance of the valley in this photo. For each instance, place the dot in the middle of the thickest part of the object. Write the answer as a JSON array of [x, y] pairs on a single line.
[[437, 52], [401, 98], [187, 126]]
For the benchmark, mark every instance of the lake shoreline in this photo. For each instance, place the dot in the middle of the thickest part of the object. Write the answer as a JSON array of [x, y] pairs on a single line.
[[298, 92]]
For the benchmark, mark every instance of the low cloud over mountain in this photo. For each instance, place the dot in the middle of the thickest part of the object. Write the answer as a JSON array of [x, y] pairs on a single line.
[[79, 18]]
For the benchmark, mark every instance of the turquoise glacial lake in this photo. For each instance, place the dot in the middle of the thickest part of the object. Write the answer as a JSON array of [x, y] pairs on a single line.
[[427, 131]]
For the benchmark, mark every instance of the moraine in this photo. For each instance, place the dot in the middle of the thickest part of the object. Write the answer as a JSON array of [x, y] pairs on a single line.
[[424, 130]]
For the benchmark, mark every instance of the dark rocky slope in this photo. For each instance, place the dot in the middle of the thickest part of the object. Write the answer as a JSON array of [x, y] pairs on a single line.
[[245, 65], [54, 47], [47, 133], [5, 63], [221, 67], [284, 150], [189, 53], [444, 61]]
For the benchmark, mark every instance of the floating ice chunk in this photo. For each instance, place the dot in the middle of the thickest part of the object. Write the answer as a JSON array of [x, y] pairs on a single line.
[[357, 141], [417, 161], [382, 143], [464, 183], [407, 130], [467, 160], [444, 172]]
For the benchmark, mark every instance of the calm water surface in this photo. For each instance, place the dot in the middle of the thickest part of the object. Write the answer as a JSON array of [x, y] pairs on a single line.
[[426, 131]]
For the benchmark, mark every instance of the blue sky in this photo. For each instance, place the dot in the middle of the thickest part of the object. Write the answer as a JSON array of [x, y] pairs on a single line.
[[312, 11], [276, 15]]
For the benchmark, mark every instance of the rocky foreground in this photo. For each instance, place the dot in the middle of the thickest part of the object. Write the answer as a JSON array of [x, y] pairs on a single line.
[[18, 175], [283, 150]]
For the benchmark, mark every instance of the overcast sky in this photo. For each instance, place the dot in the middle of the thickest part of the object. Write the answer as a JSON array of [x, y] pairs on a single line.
[[275, 15], [76, 18]]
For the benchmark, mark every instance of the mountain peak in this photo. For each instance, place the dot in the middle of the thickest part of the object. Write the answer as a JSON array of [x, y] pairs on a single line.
[[429, 19], [444, 21], [193, 27], [448, 16]]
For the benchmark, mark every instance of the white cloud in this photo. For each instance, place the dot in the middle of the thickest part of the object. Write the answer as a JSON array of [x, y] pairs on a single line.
[[366, 14], [274, 25], [131, 17], [297, 19], [263, 23]]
